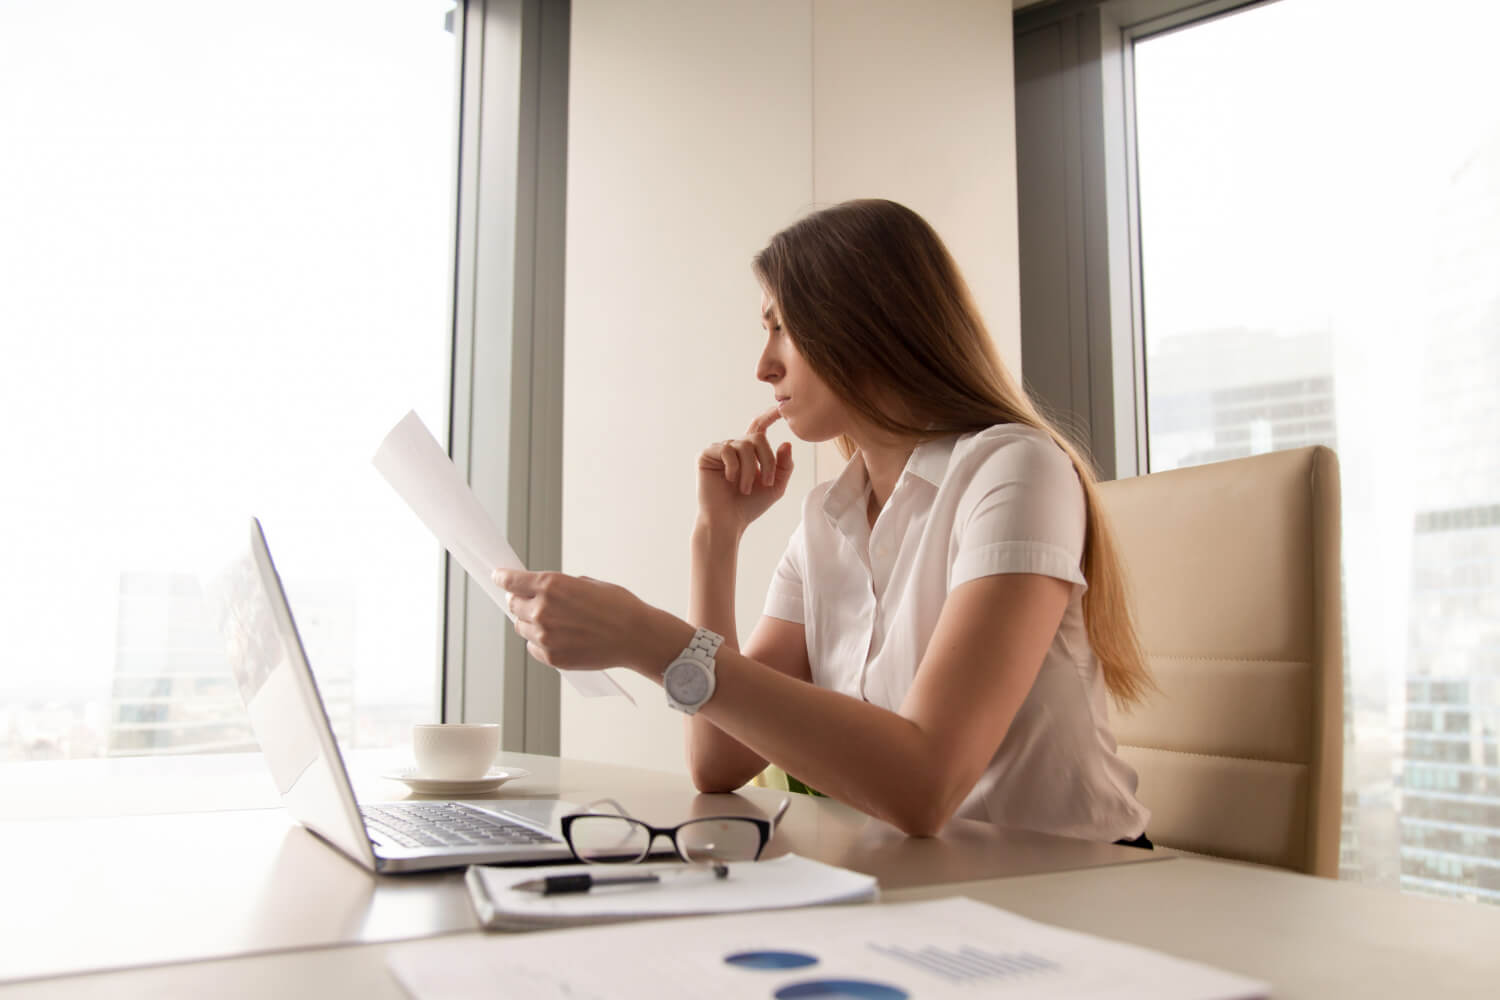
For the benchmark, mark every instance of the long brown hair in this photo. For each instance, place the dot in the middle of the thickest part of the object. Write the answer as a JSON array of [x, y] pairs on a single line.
[[871, 298]]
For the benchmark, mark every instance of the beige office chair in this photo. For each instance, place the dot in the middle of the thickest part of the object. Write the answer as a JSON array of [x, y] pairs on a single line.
[[1234, 575]]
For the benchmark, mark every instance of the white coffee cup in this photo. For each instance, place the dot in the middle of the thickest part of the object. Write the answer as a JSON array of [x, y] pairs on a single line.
[[455, 751]]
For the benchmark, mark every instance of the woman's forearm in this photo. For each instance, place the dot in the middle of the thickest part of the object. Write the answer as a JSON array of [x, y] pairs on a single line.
[[869, 757], [715, 560], [915, 767], [717, 761], [833, 748]]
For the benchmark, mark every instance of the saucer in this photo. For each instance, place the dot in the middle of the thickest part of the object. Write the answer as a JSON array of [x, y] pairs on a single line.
[[496, 777]]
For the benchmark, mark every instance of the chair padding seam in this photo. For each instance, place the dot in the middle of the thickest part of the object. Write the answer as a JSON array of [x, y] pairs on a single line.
[[1216, 756], [1185, 658]]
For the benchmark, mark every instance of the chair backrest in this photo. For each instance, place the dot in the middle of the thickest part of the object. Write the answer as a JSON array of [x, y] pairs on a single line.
[[1234, 576]]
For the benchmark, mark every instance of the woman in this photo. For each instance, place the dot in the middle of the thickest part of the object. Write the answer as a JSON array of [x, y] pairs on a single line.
[[940, 634]]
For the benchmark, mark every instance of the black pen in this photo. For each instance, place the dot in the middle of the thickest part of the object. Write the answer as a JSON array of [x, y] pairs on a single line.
[[554, 885]]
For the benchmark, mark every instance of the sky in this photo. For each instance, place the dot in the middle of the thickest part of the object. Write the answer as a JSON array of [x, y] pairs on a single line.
[[1321, 134]]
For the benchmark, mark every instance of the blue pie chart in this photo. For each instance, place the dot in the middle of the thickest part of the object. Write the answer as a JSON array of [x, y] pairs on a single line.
[[840, 989], [770, 960]]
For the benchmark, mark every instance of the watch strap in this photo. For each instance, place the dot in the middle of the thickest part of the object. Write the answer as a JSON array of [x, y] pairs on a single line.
[[700, 653], [705, 644]]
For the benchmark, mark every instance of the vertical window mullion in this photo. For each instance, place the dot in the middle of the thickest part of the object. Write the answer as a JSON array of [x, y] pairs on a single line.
[[506, 418]]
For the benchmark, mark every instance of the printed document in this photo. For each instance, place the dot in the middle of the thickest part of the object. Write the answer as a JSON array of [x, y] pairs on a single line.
[[780, 883], [416, 466], [939, 949]]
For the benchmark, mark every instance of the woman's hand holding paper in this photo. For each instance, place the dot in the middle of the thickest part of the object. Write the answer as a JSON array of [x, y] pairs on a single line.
[[579, 623]]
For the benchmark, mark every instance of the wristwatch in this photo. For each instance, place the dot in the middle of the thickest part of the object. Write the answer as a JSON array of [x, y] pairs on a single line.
[[689, 679]]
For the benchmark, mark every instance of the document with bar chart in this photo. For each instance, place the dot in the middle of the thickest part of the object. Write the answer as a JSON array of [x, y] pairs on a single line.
[[893, 951]]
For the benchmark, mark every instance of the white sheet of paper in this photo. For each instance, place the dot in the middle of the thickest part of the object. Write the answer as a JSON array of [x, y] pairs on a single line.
[[416, 466], [956, 947], [786, 882]]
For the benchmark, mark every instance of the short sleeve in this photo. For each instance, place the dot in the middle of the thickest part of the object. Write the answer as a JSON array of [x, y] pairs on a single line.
[[1023, 512], [784, 597]]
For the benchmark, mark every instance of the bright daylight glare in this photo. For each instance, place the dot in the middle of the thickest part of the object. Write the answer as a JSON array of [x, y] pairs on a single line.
[[1320, 230], [226, 255]]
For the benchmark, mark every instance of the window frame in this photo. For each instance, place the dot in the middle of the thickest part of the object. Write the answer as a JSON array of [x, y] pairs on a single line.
[[505, 428], [1083, 336]]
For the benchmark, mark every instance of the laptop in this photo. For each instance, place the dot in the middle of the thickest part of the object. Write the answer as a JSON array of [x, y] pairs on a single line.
[[287, 714]]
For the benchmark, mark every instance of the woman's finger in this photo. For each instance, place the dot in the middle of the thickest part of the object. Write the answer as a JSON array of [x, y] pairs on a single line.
[[764, 458], [764, 421], [712, 457], [731, 460], [784, 463], [522, 609], [516, 581], [749, 463]]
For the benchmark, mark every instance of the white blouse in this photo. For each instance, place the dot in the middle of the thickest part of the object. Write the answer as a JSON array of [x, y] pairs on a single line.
[[1002, 500]]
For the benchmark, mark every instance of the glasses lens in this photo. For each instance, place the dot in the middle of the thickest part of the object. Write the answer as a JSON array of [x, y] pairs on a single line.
[[609, 838], [726, 839]]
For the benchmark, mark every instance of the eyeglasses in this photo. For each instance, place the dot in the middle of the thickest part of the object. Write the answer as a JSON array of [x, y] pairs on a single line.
[[609, 838]]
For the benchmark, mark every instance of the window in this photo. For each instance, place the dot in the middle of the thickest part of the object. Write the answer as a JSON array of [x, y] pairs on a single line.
[[228, 257], [1320, 246], [1268, 225]]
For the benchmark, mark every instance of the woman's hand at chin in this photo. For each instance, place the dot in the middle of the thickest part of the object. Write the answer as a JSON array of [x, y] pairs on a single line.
[[739, 479], [579, 623]]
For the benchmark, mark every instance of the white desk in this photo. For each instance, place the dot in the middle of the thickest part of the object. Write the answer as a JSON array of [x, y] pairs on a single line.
[[303, 922], [1310, 938], [151, 889]]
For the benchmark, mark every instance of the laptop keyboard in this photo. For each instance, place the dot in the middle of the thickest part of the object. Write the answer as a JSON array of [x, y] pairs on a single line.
[[446, 824]]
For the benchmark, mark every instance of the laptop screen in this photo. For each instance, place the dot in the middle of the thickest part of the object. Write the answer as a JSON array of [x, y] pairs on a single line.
[[286, 712]]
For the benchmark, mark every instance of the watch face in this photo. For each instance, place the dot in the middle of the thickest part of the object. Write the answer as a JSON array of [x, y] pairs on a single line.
[[687, 682]]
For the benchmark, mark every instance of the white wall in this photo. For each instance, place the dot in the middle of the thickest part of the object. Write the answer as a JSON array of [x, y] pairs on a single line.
[[916, 102], [696, 130]]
